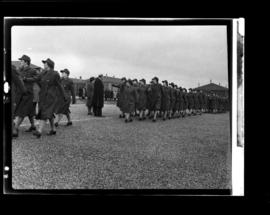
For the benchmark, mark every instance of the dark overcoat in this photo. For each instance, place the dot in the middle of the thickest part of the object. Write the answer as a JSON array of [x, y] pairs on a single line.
[[89, 94], [17, 87], [142, 98], [98, 96], [165, 99], [173, 98], [119, 94], [181, 101], [154, 96], [129, 98], [25, 105], [48, 97], [196, 100], [185, 101], [190, 97], [176, 104], [62, 104]]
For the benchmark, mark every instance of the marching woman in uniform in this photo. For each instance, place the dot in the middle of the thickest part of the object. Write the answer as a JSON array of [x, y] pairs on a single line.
[[165, 99], [190, 97], [185, 102], [63, 105], [17, 86], [136, 87], [129, 100], [142, 99], [89, 94], [154, 94], [181, 102], [50, 82], [119, 102], [172, 102], [176, 104], [24, 102]]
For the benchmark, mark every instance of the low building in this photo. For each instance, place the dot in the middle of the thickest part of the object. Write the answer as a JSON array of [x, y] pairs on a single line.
[[214, 88]]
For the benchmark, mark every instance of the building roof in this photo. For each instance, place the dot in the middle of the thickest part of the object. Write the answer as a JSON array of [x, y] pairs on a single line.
[[17, 64], [211, 87], [111, 79]]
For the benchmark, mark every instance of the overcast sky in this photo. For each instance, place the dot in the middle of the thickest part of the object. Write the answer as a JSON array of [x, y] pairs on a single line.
[[185, 55]]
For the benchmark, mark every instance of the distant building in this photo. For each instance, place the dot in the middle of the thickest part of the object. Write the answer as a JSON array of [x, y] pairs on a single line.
[[215, 88]]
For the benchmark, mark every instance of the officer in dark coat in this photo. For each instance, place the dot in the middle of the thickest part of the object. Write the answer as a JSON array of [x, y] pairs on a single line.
[[129, 99], [165, 99], [176, 104], [64, 105], [89, 94], [142, 99], [119, 102], [48, 98], [196, 102], [155, 97], [98, 97], [25, 105]]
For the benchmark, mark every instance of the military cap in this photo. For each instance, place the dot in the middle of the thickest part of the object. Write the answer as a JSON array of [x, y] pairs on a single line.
[[65, 71], [91, 79], [130, 81], [143, 80], [190, 89], [155, 78], [172, 84], [123, 79], [25, 58], [135, 79], [49, 62], [165, 81], [180, 88]]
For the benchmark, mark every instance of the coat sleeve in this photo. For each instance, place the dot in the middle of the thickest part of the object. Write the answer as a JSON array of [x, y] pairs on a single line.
[[18, 81], [72, 89], [59, 85], [34, 77]]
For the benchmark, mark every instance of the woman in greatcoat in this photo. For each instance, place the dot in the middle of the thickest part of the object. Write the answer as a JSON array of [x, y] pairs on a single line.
[[172, 99], [25, 102], [142, 99], [190, 97], [154, 95], [165, 99], [48, 99], [64, 105], [119, 102], [129, 100], [98, 96], [185, 102], [177, 101], [89, 94]]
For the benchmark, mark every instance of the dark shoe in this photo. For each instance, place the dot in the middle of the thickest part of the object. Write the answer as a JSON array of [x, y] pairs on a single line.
[[31, 129], [56, 124], [15, 133], [37, 134], [164, 119], [140, 119], [126, 120], [51, 133], [130, 120], [69, 123], [154, 120]]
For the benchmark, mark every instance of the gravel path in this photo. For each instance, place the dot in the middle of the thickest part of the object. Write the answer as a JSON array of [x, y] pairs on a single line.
[[106, 153]]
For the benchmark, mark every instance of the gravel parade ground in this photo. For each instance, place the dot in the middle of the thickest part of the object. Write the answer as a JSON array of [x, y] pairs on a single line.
[[107, 153]]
